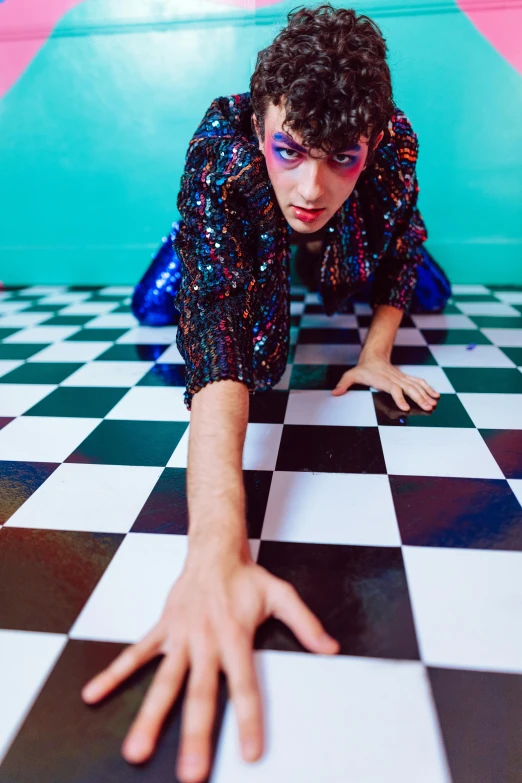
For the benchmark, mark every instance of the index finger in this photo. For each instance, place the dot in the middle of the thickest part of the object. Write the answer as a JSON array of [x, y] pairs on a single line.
[[130, 659]]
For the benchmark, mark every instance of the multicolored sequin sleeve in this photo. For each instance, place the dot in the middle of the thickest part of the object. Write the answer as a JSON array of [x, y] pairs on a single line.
[[215, 299], [396, 273]]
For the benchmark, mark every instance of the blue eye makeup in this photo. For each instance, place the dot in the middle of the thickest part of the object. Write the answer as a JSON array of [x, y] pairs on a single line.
[[344, 164]]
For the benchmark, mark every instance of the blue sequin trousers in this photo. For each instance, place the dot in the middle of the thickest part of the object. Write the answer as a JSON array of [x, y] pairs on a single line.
[[153, 297]]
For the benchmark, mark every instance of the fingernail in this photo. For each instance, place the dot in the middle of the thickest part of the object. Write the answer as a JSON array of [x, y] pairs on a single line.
[[91, 691], [137, 747], [327, 641], [191, 761], [250, 748]]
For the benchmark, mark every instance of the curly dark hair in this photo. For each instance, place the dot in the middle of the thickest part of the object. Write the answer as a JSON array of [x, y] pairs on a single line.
[[329, 67]]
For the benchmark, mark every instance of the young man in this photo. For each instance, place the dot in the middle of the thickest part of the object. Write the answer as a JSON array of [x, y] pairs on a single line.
[[316, 150]]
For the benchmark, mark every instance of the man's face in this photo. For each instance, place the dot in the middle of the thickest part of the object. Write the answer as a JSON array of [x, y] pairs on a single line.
[[318, 182]]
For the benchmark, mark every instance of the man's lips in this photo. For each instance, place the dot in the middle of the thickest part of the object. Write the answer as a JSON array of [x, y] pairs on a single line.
[[310, 211]]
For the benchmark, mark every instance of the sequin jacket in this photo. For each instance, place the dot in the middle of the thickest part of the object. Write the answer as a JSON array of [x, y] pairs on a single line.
[[233, 243]]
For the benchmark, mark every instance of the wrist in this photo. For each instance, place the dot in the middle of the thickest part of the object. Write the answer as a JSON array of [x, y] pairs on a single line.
[[370, 353]]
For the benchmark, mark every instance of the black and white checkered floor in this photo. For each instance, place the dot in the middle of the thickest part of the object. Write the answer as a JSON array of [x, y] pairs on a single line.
[[403, 532]]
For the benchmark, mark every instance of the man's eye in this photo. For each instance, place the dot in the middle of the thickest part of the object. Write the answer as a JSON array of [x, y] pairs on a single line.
[[285, 149], [350, 158]]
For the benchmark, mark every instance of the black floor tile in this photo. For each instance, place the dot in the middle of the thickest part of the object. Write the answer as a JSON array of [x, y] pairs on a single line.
[[18, 481], [268, 407], [464, 513], [64, 740], [68, 320], [7, 332], [122, 442], [515, 354], [164, 374], [166, 510], [320, 376], [455, 337], [506, 447], [411, 354], [359, 593], [329, 336], [492, 380], [449, 412], [131, 353], [330, 449], [96, 335], [480, 715], [48, 575], [83, 401], [41, 372], [497, 321], [20, 350]]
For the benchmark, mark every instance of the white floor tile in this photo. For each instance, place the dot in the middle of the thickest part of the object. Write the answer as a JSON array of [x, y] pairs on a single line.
[[113, 374], [17, 398], [331, 508], [467, 605], [179, 456], [437, 451], [259, 453], [149, 335], [42, 334], [439, 321], [311, 406], [461, 356], [486, 308], [21, 319], [71, 351], [65, 298], [505, 337], [89, 308], [516, 486], [464, 288], [435, 376], [326, 354], [170, 355], [312, 297], [338, 719], [116, 290], [95, 498], [42, 290], [404, 336], [284, 381], [493, 411], [129, 598], [261, 446], [15, 306], [511, 297], [320, 321], [8, 365], [26, 660], [43, 438], [362, 308], [296, 308], [151, 403], [113, 321]]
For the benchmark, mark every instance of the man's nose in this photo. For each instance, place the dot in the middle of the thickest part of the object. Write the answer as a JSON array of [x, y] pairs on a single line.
[[311, 188]]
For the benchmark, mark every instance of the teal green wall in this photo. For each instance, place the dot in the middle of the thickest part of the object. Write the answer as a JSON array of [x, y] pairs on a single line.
[[93, 134]]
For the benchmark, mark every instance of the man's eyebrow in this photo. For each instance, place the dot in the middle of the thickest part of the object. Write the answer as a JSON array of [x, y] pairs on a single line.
[[281, 136]]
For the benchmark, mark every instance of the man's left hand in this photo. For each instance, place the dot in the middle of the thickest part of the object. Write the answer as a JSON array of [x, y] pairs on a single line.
[[382, 375]]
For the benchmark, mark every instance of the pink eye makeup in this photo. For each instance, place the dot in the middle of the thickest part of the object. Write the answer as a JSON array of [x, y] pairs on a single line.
[[287, 154]]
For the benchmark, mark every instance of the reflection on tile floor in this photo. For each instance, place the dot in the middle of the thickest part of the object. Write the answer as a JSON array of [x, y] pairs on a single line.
[[401, 531]]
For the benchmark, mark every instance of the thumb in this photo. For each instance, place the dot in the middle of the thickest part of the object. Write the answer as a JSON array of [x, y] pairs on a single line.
[[344, 384], [287, 606]]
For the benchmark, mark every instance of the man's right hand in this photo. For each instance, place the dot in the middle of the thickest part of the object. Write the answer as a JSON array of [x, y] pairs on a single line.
[[208, 624]]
